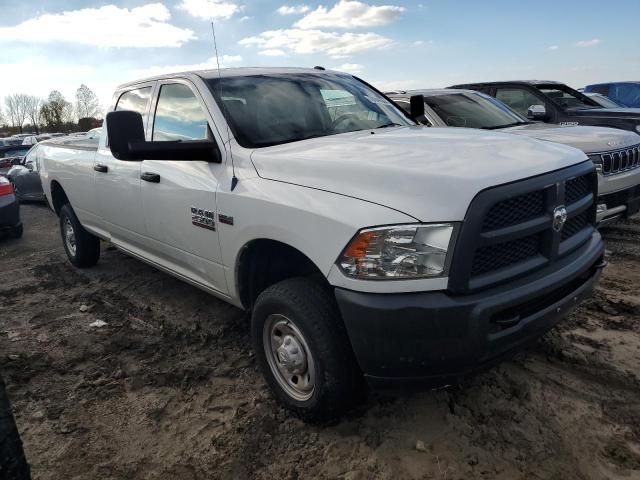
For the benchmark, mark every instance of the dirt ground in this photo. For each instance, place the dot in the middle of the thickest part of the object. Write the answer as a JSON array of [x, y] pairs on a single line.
[[168, 388]]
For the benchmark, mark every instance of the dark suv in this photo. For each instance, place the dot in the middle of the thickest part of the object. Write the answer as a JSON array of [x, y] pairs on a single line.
[[554, 102]]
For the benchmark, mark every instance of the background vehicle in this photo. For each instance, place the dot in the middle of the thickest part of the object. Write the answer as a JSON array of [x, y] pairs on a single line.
[[311, 200], [615, 152], [35, 139], [554, 102], [625, 93], [25, 178], [13, 464], [9, 210], [603, 101], [10, 155], [6, 142]]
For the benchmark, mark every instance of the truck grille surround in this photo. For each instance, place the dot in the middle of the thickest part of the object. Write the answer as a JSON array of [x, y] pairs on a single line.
[[508, 234], [617, 161]]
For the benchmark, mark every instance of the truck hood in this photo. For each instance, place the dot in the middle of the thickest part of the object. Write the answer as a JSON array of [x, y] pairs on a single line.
[[431, 174], [605, 112], [587, 139]]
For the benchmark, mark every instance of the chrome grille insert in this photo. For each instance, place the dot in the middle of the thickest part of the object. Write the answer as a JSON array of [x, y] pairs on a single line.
[[618, 161]]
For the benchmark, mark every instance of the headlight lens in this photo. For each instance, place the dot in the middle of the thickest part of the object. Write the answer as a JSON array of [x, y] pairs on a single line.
[[398, 252]]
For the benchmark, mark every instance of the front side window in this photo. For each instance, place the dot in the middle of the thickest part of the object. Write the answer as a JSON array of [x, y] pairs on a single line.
[[626, 93], [566, 98], [472, 110], [32, 157], [179, 115], [136, 100], [517, 99], [265, 110]]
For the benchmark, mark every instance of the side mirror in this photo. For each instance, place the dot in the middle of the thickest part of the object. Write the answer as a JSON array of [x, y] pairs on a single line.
[[29, 166], [125, 131], [416, 103], [537, 112]]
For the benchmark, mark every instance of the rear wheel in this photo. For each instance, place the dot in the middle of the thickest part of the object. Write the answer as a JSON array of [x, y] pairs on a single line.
[[303, 350], [83, 248]]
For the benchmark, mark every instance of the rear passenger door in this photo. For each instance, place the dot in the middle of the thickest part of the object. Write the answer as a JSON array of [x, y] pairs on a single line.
[[179, 197], [117, 182]]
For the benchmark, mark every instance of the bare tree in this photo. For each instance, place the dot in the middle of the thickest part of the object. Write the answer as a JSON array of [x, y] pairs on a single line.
[[3, 120], [56, 111], [87, 104], [17, 109], [34, 106]]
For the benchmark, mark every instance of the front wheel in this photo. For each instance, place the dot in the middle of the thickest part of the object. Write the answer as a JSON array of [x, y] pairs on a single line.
[[83, 248], [303, 350]]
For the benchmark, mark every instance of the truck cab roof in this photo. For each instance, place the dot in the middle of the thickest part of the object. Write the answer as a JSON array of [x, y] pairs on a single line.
[[232, 72]]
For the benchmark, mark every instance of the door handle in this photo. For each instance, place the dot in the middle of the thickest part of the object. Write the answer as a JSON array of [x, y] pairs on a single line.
[[150, 177], [100, 168]]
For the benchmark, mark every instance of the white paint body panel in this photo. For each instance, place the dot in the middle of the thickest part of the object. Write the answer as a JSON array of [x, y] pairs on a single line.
[[313, 195]]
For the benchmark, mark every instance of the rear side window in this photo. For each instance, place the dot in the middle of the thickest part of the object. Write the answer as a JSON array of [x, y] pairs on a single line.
[[518, 99], [135, 100], [179, 115]]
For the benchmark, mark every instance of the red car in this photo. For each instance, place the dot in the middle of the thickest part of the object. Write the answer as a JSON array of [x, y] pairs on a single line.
[[9, 210]]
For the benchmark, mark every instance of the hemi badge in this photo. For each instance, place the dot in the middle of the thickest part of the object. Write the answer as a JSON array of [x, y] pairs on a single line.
[[226, 219]]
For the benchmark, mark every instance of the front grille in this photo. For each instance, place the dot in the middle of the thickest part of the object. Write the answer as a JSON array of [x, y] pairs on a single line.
[[508, 234], [576, 189], [574, 226], [514, 210], [502, 255], [619, 161]]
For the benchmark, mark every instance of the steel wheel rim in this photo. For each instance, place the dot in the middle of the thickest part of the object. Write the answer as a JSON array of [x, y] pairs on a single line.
[[289, 357], [70, 236]]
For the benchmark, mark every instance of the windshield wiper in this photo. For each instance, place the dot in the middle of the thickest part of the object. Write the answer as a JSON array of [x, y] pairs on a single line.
[[386, 125]]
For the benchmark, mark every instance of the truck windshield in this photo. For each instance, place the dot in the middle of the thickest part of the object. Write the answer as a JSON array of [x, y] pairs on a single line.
[[473, 110], [567, 98], [266, 110]]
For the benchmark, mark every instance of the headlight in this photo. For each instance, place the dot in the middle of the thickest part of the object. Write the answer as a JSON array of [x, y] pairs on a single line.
[[398, 252]]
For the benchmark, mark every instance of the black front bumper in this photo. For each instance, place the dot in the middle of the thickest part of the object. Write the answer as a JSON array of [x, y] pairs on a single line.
[[9, 212], [435, 337]]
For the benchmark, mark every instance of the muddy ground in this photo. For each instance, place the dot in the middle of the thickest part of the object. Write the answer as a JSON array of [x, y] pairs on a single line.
[[168, 388]]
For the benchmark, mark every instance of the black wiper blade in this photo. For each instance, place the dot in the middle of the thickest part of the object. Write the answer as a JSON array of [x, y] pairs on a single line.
[[387, 125], [514, 124]]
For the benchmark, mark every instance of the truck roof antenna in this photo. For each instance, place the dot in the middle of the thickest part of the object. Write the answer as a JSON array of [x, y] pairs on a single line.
[[234, 179]]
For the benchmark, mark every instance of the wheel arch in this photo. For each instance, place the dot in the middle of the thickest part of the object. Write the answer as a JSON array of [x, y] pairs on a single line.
[[263, 262], [58, 196]]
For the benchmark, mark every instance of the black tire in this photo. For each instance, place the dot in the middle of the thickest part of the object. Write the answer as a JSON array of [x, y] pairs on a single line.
[[87, 246], [339, 384], [13, 464], [18, 231]]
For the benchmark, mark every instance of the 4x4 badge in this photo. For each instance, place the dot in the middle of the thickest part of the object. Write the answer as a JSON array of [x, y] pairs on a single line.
[[559, 218]]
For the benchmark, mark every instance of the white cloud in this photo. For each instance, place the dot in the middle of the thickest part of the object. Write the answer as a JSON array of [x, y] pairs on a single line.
[[587, 43], [303, 42], [418, 43], [244, 19], [295, 10], [272, 52], [209, 9], [350, 67], [393, 85], [554, 47], [107, 26], [350, 14], [210, 64]]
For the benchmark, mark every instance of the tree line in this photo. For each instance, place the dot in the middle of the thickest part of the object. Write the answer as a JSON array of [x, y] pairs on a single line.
[[29, 113]]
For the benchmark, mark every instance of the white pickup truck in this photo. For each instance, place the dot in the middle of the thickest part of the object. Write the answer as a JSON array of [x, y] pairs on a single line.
[[364, 246]]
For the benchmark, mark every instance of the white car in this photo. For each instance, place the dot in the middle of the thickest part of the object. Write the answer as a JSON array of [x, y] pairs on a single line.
[[364, 246], [615, 152]]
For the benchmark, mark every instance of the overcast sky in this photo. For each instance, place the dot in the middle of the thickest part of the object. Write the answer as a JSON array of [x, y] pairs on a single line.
[[59, 44]]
